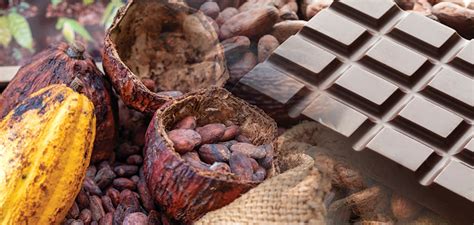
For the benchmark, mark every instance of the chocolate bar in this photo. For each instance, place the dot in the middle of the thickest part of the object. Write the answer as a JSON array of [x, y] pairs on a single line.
[[395, 88]]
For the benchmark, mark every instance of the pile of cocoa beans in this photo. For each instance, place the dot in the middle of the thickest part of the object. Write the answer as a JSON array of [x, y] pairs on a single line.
[[221, 148]]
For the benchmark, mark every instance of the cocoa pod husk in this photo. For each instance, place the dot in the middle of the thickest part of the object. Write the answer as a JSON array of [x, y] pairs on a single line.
[[145, 196], [252, 23], [154, 218]]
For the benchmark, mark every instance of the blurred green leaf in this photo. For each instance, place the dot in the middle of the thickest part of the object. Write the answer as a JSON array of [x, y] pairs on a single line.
[[20, 30], [87, 2], [55, 2], [5, 34], [68, 33], [71, 27], [110, 11]]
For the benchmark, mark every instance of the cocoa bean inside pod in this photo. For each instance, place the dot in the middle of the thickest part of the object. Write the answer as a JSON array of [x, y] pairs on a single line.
[[168, 43], [184, 191]]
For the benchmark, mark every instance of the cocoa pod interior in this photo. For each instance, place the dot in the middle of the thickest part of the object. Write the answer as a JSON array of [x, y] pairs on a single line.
[[187, 193], [170, 44]]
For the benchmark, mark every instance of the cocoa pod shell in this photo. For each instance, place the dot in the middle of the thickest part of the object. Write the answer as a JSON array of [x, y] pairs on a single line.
[[183, 191]]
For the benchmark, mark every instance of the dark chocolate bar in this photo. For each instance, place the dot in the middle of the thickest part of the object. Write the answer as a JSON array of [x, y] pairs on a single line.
[[397, 90]]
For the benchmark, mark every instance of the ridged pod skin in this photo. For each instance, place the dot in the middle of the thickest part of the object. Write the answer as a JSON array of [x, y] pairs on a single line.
[[62, 64], [45, 148], [187, 193]]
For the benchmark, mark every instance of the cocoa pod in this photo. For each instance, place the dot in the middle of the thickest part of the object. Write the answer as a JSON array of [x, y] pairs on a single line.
[[259, 174], [74, 211], [230, 133], [128, 204], [107, 219], [184, 140], [145, 196], [211, 133], [404, 209], [137, 218], [126, 170], [91, 187], [123, 184], [226, 14], [242, 67], [96, 207], [107, 204], [188, 122], [252, 23], [457, 17], [86, 216], [285, 29], [210, 9], [211, 153], [82, 199], [135, 160], [104, 177], [249, 150], [114, 195], [241, 166], [220, 167], [266, 45]]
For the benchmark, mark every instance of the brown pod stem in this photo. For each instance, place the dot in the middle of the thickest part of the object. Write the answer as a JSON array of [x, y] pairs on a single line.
[[183, 191]]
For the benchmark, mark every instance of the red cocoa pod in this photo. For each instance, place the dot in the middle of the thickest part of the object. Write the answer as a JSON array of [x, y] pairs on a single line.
[[91, 187], [137, 218], [252, 23], [188, 122], [285, 29], [124, 183], [91, 171], [86, 216], [126, 170], [107, 203], [74, 211], [210, 9], [125, 64], [241, 166], [82, 199], [249, 150], [235, 47], [135, 160], [114, 195], [211, 133], [182, 191], [145, 196], [226, 14], [107, 219], [96, 207], [184, 140], [246, 63], [126, 149], [61, 64], [220, 167], [211, 153], [129, 204], [230, 133], [243, 139], [104, 177], [259, 174], [228, 143], [154, 218]]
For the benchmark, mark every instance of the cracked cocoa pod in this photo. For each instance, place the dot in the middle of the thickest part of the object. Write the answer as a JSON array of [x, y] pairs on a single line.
[[63, 64], [187, 192], [169, 43]]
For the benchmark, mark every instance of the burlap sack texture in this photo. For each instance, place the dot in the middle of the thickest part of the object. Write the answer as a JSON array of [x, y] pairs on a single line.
[[293, 197]]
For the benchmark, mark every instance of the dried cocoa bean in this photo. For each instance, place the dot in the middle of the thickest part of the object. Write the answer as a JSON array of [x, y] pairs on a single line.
[[220, 167], [107, 203], [154, 218], [74, 211], [82, 199], [104, 177], [195, 3], [288, 11], [77, 222], [126, 170], [210, 9], [104, 164], [123, 184], [86, 216], [96, 207], [91, 187], [188, 122], [249, 150], [243, 139], [91, 171], [135, 160], [348, 178], [145, 196], [266, 45], [457, 17], [255, 165], [137, 218], [248, 5], [404, 209], [213, 24], [246, 63], [223, 4], [230, 133], [251, 23], [94, 223], [191, 156], [135, 179], [125, 150], [210, 153], [315, 7], [267, 161], [184, 140], [228, 143], [405, 4], [234, 47], [107, 219], [197, 163], [285, 29], [259, 175], [128, 204], [241, 166], [226, 14], [114, 195], [211, 133]]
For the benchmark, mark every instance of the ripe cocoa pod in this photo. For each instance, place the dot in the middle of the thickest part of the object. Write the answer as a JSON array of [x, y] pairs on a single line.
[[252, 23], [191, 51], [184, 140], [181, 189], [63, 64], [211, 153], [46, 143], [211, 133]]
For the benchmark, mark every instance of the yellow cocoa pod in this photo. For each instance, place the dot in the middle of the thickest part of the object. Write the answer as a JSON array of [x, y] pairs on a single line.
[[45, 149]]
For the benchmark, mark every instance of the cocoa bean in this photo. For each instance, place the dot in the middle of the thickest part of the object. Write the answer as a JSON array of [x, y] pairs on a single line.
[[287, 12], [107, 219], [86, 216], [195, 3], [184, 140], [213, 24], [235, 47], [114, 195], [405, 4], [242, 138], [348, 179], [82, 199], [259, 175], [220, 167], [126, 170], [135, 179], [77, 222], [191, 155], [251, 23], [267, 161], [91, 187], [241, 166], [210, 153], [223, 4], [315, 7], [145, 196], [137, 218], [123, 184], [188, 122], [228, 143], [96, 207], [104, 164], [249, 150], [91, 171], [248, 5], [104, 177], [457, 17], [461, 3], [210, 9], [74, 211], [154, 218], [211, 133], [107, 203], [94, 223], [197, 163], [225, 15], [255, 164], [246, 63], [230, 133], [135, 160], [125, 150], [266, 45], [404, 209], [128, 204], [285, 29]]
